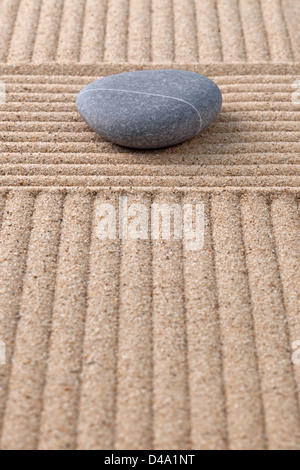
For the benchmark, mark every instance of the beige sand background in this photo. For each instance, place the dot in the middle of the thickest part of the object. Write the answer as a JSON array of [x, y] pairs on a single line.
[[141, 345]]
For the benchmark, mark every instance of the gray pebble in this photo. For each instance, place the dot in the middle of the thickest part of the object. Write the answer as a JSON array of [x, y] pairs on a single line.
[[151, 108]]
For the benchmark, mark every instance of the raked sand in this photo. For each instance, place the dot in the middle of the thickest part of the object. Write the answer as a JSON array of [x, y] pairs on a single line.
[[124, 344]]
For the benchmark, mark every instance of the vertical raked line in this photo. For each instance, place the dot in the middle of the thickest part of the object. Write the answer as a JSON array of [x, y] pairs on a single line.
[[116, 389], [209, 41], [207, 398], [116, 40], [134, 420], [162, 31], [291, 11], [279, 43], [185, 31], [14, 238], [283, 300], [61, 397], [185, 333], [93, 35], [69, 43], [254, 33], [287, 31], [170, 404], [48, 31], [264, 431], [8, 16], [87, 274], [24, 34], [21, 425], [244, 410], [139, 31], [233, 44], [59, 236], [210, 224], [286, 225], [97, 400], [3, 197], [275, 365]]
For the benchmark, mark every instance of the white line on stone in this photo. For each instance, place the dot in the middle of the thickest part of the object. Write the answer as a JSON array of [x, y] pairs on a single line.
[[149, 94]]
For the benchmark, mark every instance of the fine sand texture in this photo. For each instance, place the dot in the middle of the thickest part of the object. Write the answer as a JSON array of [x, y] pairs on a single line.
[[146, 344]]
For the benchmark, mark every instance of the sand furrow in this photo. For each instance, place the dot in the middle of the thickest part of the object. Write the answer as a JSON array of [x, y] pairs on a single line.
[[171, 406], [139, 31], [15, 234], [48, 31], [271, 327], [63, 379], [70, 34], [286, 224], [185, 31], [242, 382], [134, 400], [206, 382], [256, 42], [176, 159], [162, 31], [9, 12], [24, 34], [231, 30], [97, 408], [291, 11], [209, 41], [278, 39], [24, 402], [93, 35], [116, 40]]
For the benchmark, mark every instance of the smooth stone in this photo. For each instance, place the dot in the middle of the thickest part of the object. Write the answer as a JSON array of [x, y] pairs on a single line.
[[150, 109]]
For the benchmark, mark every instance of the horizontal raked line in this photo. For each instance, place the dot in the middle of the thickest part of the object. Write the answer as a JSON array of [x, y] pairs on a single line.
[[232, 107], [250, 96], [72, 117], [227, 70], [193, 147], [268, 190], [218, 127], [56, 88], [208, 138], [175, 159], [75, 81], [144, 181], [163, 171], [229, 100]]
